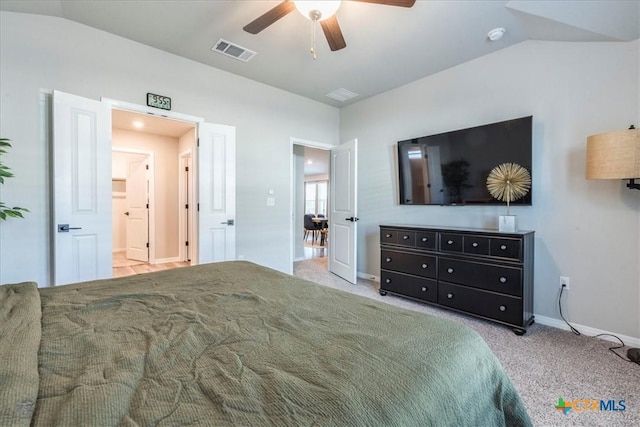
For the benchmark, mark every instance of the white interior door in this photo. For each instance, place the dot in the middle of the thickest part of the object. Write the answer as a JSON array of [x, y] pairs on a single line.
[[216, 193], [81, 191], [137, 209], [343, 225]]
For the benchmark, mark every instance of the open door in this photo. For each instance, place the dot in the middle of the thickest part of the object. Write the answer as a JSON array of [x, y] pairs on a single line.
[[344, 210], [81, 189], [138, 209], [216, 193]]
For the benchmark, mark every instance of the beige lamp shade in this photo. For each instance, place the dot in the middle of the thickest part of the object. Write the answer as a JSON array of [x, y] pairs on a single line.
[[614, 155]]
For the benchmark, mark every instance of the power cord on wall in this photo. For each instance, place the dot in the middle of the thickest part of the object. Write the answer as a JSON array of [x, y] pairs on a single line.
[[611, 349]]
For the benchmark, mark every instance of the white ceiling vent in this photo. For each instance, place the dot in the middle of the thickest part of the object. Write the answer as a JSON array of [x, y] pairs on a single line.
[[341, 95], [233, 50]]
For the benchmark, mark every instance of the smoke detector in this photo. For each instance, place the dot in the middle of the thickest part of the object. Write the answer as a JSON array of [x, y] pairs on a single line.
[[496, 34]]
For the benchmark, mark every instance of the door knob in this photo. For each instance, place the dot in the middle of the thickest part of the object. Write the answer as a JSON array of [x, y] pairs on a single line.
[[127, 213], [352, 219]]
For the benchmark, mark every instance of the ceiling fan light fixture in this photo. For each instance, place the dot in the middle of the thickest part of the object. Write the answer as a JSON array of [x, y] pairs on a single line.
[[317, 10]]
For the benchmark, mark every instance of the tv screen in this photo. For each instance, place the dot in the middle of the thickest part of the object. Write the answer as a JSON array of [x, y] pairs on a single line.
[[451, 168]]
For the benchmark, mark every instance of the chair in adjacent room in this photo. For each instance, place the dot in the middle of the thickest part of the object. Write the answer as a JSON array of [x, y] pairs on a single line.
[[310, 227]]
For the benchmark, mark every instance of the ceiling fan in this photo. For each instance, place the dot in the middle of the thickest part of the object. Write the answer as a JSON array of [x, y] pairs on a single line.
[[317, 11]]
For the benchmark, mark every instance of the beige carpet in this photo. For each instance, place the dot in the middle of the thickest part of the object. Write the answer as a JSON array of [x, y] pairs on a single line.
[[545, 364]]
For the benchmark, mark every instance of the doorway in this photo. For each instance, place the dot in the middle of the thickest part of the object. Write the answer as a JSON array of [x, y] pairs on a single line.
[[310, 196], [81, 194], [153, 187]]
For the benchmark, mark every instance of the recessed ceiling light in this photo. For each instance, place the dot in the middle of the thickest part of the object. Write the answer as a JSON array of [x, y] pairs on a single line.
[[496, 34], [309, 162], [138, 125]]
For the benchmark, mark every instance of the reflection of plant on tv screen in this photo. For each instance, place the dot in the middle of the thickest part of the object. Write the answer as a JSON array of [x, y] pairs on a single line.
[[455, 175]]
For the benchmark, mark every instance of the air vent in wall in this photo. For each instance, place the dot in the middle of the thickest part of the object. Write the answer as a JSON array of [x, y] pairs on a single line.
[[233, 50]]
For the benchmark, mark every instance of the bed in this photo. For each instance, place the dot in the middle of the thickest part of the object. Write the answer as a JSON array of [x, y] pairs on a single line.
[[235, 343]]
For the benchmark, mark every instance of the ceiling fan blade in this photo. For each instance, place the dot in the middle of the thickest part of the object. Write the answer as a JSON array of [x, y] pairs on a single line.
[[333, 33], [268, 18], [401, 3]]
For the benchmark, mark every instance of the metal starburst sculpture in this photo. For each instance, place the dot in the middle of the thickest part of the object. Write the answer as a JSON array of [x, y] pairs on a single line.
[[508, 182]]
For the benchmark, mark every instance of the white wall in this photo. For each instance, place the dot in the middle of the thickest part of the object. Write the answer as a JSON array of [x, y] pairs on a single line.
[[45, 53], [588, 230]]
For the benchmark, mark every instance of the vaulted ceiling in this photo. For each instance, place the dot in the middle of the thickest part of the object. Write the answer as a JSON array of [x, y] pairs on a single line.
[[386, 46]]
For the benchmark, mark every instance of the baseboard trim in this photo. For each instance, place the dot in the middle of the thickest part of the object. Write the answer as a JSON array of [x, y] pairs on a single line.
[[367, 276], [587, 330]]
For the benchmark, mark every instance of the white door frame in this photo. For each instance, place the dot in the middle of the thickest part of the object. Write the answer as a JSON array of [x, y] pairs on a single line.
[[292, 209], [187, 197], [152, 197], [136, 108]]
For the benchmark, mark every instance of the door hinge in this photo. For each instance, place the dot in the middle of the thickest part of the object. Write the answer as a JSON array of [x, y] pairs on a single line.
[[147, 244], [147, 205], [198, 142], [186, 168], [146, 167], [198, 207], [186, 243], [186, 206]]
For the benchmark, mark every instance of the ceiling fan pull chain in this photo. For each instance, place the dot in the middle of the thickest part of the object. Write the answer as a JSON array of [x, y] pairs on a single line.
[[313, 38]]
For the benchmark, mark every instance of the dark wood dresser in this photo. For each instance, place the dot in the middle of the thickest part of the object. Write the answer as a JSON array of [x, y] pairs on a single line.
[[484, 273]]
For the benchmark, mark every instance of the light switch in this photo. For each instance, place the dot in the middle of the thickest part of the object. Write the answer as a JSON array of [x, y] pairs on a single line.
[[271, 201]]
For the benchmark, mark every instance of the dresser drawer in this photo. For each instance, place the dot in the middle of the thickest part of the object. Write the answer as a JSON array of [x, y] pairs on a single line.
[[496, 278], [398, 237], [426, 240], [415, 287], [476, 245], [388, 236], [451, 242], [499, 307], [506, 248], [409, 263]]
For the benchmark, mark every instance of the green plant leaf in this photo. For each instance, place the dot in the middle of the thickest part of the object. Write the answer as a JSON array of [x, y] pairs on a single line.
[[5, 172]]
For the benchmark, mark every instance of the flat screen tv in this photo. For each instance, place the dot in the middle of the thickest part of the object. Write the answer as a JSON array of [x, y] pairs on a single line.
[[451, 168]]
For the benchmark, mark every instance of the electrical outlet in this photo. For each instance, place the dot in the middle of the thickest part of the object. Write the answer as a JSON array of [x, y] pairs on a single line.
[[564, 280]]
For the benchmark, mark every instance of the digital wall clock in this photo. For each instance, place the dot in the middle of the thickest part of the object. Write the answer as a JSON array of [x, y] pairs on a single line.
[[158, 101]]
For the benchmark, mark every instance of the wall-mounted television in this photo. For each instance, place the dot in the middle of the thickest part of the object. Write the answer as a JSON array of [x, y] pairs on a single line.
[[451, 168]]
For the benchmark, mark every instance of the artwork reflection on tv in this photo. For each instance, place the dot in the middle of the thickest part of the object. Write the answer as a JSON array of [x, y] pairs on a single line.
[[451, 168]]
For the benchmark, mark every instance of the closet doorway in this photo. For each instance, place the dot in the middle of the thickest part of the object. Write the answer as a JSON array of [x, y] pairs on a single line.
[[152, 193]]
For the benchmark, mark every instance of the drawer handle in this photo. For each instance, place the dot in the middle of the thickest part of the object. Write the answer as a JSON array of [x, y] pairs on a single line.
[[449, 270], [387, 281], [503, 279], [424, 289], [503, 247], [474, 244], [449, 296], [424, 239], [425, 265], [388, 259], [405, 237], [449, 242], [503, 308], [387, 235]]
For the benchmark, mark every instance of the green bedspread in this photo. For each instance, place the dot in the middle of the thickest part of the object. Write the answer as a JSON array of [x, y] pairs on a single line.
[[235, 343]]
